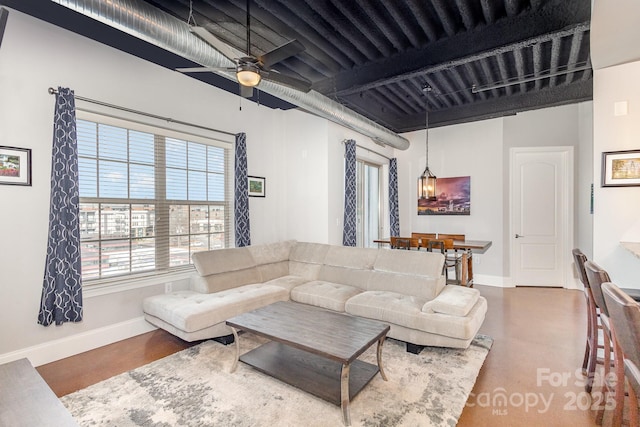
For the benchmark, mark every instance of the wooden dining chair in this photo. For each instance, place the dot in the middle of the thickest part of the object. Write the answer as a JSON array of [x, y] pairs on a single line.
[[624, 314], [406, 243], [593, 322], [455, 263], [423, 235], [452, 257], [399, 242], [596, 276], [459, 237], [458, 256]]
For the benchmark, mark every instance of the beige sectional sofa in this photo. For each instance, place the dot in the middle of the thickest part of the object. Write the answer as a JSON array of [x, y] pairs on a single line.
[[405, 289]]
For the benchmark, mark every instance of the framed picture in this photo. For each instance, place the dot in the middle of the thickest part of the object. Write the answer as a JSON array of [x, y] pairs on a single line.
[[621, 168], [453, 198], [256, 186], [15, 166]]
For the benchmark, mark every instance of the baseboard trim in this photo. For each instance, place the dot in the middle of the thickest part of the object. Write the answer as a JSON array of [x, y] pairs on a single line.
[[496, 281], [68, 346]]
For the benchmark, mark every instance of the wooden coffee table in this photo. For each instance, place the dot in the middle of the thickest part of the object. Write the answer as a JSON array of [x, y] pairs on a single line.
[[313, 349]]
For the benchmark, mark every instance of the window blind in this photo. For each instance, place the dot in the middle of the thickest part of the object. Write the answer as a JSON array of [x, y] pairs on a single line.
[[148, 201]]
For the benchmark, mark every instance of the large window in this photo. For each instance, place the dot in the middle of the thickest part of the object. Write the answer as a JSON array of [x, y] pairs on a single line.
[[148, 201]]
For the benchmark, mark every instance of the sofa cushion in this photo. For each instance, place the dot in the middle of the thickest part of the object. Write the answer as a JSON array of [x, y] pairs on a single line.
[[222, 261], [453, 300], [288, 281], [272, 260], [306, 259], [223, 269], [222, 281], [272, 252], [346, 276], [406, 311], [348, 265], [408, 284], [350, 257], [191, 311], [307, 252], [324, 294], [422, 263]]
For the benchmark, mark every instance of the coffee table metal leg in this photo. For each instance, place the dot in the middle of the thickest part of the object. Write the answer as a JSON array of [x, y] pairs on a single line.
[[235, 338], [380, 342], [344, 394]]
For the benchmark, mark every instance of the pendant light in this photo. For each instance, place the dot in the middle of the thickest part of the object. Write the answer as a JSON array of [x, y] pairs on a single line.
[[427, 181]]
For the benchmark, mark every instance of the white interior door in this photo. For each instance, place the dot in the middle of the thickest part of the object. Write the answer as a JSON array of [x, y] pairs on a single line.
[[541, 215]]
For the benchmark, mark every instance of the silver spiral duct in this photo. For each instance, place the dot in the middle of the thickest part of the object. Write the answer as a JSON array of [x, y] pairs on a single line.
[[145, 22]]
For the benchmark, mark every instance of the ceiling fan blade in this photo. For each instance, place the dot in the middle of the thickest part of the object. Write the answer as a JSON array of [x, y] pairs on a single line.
[[215, 42], [204, 69], [293, 82], [281, 53], [246, 91]]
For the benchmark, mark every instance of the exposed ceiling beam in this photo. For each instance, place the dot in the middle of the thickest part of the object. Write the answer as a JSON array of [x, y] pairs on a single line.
[[554, 36], [555, 96], [505, 32]]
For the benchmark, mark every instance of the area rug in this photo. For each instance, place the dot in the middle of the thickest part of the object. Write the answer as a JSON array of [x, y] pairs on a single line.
[[195, 388]]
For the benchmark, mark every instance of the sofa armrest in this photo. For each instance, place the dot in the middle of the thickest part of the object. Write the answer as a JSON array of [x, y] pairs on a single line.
[[453, 300]]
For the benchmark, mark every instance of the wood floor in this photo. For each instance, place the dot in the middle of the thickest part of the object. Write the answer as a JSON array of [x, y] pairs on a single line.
[[530, 377]]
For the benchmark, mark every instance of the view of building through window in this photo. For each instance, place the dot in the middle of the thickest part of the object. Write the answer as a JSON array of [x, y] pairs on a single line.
[[148, 202]]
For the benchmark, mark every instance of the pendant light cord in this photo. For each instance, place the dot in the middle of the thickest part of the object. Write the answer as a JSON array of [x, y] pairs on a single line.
[[426, 89], [426, 131]]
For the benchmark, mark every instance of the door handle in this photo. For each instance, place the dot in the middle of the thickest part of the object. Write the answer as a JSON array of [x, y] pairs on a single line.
[[518, 236]]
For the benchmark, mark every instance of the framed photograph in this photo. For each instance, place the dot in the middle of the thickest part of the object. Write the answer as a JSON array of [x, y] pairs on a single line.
[[621, 168], [453, 198], [256, 186], [15, 166]]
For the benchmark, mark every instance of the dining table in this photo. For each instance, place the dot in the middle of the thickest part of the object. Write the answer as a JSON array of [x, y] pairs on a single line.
[[468, 248]]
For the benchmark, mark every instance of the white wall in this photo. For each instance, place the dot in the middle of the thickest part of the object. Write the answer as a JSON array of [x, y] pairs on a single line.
[[472, 149], [307, 175], [584, 181], [617, 209]]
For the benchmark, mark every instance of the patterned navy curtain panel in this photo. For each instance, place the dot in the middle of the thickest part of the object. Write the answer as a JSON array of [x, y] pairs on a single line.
[[62, 287], [394, 212], [241, 208], [349, 231]]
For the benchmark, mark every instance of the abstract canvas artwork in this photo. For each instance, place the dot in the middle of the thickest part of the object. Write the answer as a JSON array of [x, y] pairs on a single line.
[[453, 197]]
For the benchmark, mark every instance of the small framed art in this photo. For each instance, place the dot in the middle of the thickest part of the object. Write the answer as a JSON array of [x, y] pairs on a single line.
[[621, 168], [15, 166], [256, 186]]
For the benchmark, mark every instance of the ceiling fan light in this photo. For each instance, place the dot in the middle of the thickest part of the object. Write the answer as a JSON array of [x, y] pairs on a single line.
[[248, 75]]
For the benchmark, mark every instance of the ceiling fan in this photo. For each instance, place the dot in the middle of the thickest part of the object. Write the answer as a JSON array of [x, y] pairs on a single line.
[[249, 69]]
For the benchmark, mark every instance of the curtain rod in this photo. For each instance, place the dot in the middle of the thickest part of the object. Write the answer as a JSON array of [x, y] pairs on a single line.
[[368, 149], [53, 91]]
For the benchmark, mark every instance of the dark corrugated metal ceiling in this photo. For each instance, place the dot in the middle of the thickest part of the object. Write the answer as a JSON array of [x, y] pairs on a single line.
[[480, 58], [375, 56]]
